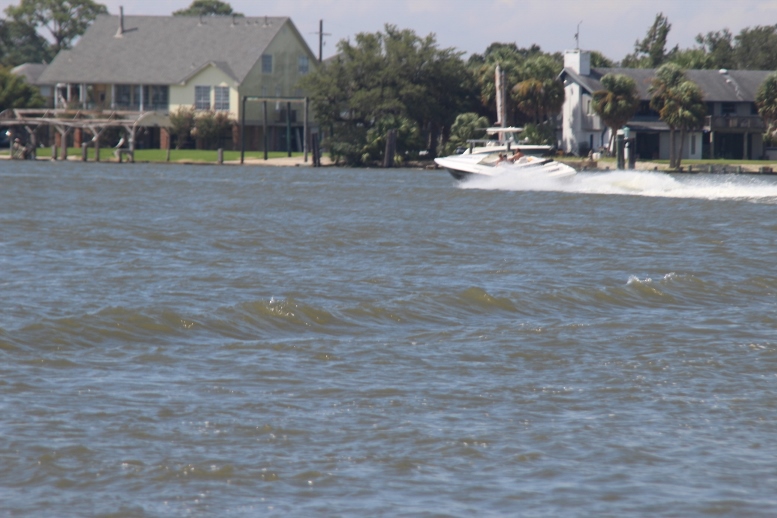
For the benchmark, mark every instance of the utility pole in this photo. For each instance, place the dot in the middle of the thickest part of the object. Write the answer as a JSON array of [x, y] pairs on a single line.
[[321, 35]]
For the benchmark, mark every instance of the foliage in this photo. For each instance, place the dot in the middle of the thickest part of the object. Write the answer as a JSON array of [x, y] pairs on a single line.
[[617, 102], [684, 108], [65, 20], [766, 100], [386, 77], [408, 139], [695, 59], [539, 99], [467, 126], [210, 128], [651, 51], [679, 102], [518, 65], [207, 8], [756, 48], [718, 47], [599, 60], [20, 43], [16, 93], [539, 134], [181, 126]]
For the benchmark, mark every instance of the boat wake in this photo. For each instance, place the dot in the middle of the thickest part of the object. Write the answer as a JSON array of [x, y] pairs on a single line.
[[638, 183]]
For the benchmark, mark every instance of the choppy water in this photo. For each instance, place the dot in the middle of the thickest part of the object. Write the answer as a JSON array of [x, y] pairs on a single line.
[[204, 341]]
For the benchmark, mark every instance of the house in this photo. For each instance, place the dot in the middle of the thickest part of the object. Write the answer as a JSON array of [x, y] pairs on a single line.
[[732, 129], [163, 63]]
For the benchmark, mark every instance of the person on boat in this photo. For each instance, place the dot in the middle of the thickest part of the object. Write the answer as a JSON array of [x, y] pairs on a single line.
[[516, 156], [502, 158]]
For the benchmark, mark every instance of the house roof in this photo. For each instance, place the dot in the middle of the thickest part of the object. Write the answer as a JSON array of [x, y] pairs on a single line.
[[731, 86], [164, 49], [30, 71]]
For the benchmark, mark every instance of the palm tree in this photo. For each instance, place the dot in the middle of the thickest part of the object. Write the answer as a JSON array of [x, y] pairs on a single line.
[[766, 100], [539, 99], [617, 102], [684, 108], [467, 126], [668, 76]]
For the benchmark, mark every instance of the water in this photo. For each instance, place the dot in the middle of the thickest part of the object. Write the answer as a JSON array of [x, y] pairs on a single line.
[[226, 341]]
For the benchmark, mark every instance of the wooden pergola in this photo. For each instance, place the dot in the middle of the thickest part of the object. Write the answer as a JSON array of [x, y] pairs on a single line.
[[93, 122]]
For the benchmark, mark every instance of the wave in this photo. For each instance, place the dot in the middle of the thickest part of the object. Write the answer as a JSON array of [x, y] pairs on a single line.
[[640, 183], [277, 319]]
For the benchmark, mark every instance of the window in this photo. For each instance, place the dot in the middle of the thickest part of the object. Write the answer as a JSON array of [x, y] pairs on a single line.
[[304, 65], [728, 108], [156, 97], [588, 109], [221, 98], [266, 63], [202, 97]]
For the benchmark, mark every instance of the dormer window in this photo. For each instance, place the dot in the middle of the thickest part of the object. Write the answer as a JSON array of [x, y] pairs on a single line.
[[266, 63]]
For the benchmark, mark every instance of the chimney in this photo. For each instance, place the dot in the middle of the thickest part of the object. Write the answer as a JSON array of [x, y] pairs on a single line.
[[120, 32], [578, 60]]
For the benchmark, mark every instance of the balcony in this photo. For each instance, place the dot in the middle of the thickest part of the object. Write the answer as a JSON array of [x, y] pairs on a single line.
[[735, 122]]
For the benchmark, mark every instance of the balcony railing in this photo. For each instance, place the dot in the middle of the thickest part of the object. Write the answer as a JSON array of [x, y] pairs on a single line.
[[737, 122]]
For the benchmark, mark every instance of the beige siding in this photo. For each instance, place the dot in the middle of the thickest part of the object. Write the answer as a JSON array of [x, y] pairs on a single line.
[[285, 49], [209, 76]]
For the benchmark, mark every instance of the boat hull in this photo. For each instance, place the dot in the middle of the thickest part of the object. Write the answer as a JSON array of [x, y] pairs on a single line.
[[463, 167]]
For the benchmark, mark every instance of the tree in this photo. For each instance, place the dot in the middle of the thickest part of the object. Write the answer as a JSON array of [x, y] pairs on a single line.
[[381, 79], [718, 47], [766, 100], [684, 108], [467, 126], [181, 126], [65, 20], [210, 128], [207, 8], [668, 77], [16, 93], [651, 51], [756, 48], [20, 43], [617, 102], [694, 59], [510, 59]]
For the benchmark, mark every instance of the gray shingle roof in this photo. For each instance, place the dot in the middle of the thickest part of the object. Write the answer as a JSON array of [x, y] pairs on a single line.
[[164, 49], [30, 71], [734, 86]]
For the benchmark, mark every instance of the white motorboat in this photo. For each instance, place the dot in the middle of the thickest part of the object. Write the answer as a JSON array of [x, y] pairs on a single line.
[[489, 165]]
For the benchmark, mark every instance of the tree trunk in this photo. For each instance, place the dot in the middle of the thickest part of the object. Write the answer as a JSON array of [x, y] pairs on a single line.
[[671, 148], [680, 153]]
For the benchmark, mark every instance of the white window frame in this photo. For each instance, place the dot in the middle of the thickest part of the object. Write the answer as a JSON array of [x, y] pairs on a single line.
[[199, 97], [221, 98]]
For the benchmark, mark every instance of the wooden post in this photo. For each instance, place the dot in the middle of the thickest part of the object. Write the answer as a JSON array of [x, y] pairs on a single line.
[[220, 155], [243, 132], [84, 151], [305, 134], [63, 155], [265, 129], [288, 128], [97, 148], [54, 152]]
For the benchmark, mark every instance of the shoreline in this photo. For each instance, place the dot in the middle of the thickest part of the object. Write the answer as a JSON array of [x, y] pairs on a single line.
[[766, 168]]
